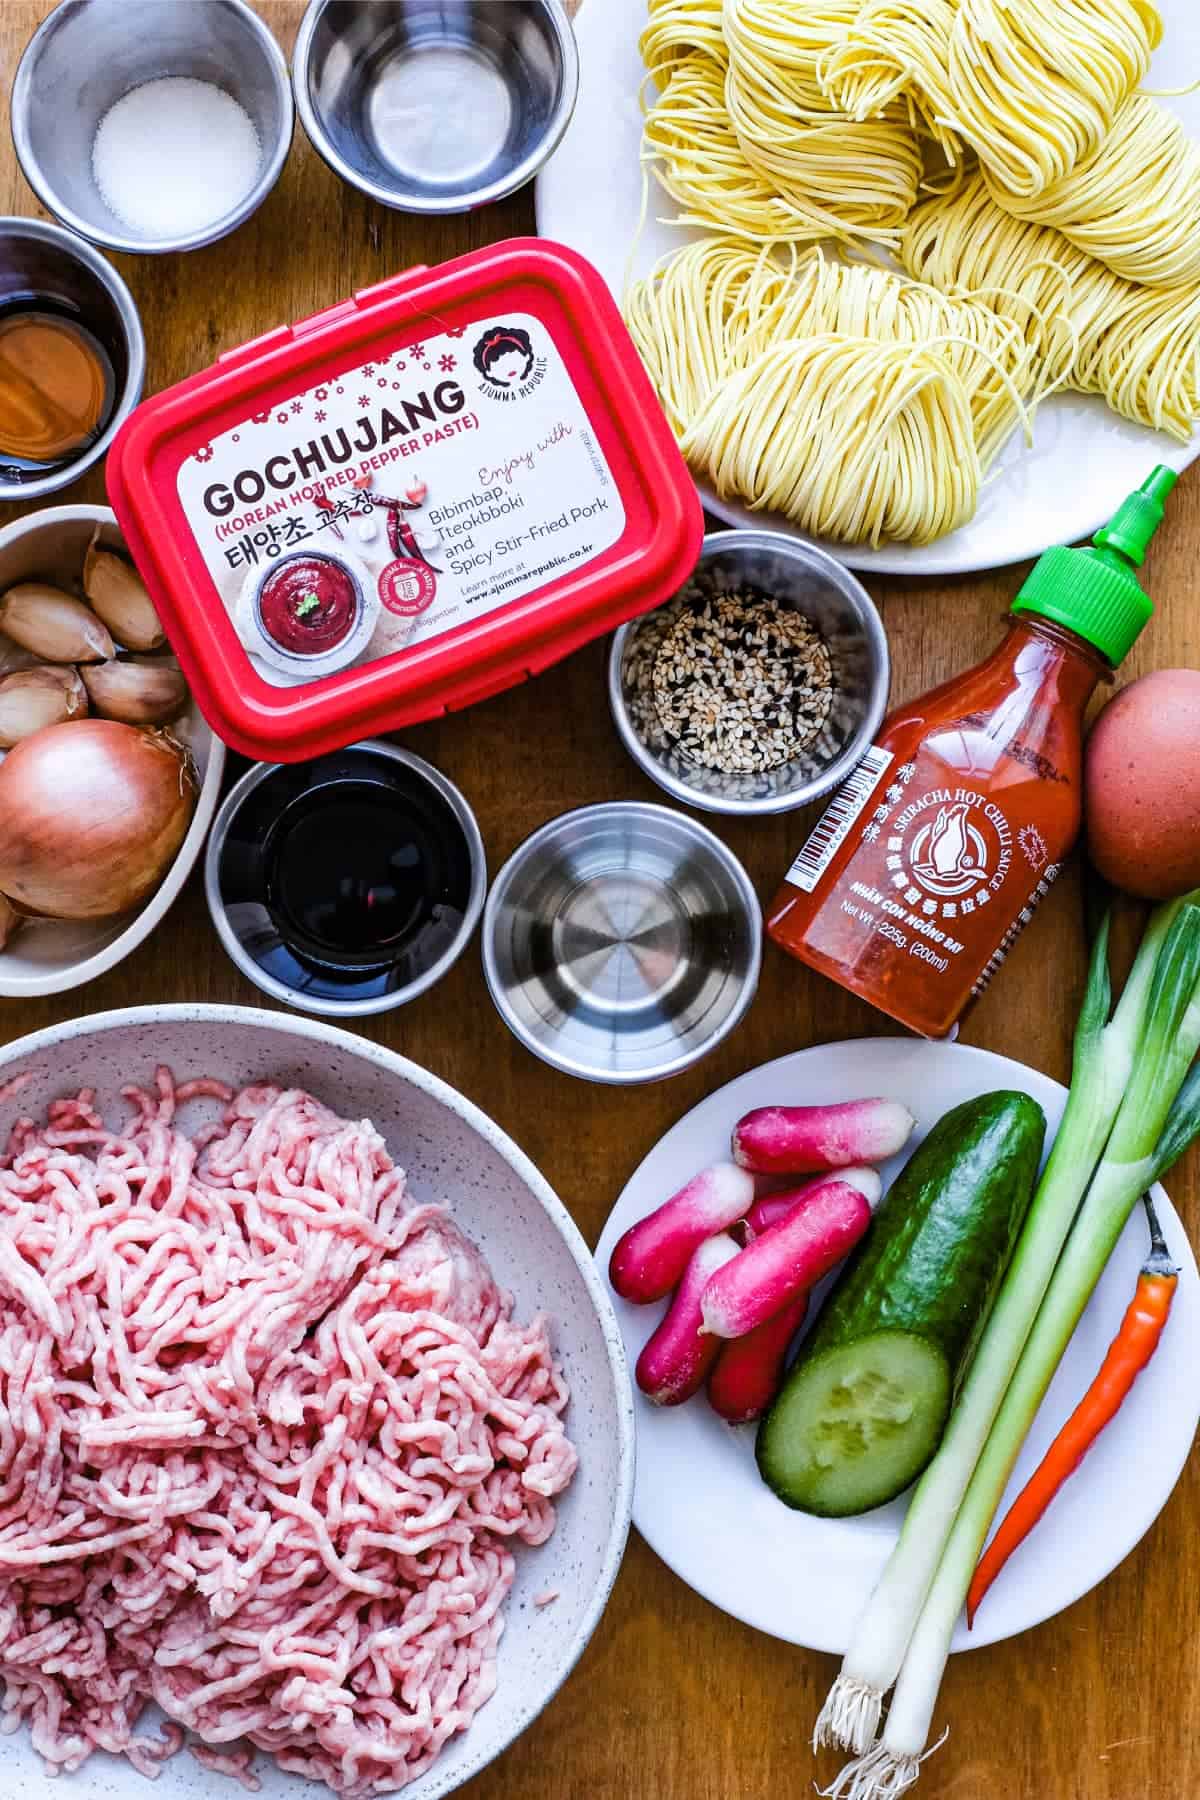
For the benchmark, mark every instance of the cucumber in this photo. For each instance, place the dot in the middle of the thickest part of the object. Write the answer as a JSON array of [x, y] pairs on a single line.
[[864, 1407]]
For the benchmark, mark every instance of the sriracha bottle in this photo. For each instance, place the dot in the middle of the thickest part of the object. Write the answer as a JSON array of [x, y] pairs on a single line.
[[931, 858]]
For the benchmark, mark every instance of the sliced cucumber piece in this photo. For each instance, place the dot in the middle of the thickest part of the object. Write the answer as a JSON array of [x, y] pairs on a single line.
[[856, 1424], [873, 1382]]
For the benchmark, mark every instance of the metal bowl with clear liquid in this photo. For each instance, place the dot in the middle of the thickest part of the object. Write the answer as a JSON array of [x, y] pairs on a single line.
[[435, 106], [622, 942]]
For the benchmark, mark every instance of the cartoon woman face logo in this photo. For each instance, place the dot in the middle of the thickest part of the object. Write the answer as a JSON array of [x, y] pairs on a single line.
[[504, 356], [949, 855]]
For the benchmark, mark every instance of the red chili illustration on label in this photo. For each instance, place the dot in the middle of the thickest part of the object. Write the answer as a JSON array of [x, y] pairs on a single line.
[[402, 540]]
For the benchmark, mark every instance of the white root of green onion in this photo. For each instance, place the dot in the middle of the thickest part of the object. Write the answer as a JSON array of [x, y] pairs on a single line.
[[1103, 1067], [1169, 1003]]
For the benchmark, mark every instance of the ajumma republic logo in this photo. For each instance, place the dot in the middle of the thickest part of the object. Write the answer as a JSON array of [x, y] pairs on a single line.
[[507, 363]]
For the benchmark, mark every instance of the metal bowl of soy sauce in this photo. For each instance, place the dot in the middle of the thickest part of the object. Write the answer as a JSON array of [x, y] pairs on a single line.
[[347, 885]]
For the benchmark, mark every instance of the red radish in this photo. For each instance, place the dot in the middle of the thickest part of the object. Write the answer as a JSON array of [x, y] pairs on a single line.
[[416, 492], [770, 1208], [676, 1359], [748, 1373], [649, 1259], [791, 1140], [789, 1258], [766, 1185]]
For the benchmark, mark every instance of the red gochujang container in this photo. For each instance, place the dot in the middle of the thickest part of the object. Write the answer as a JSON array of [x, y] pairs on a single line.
[[405, 503]]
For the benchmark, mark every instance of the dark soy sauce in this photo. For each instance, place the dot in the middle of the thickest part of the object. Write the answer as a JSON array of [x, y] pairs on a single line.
[[347, 877], [359, 872]]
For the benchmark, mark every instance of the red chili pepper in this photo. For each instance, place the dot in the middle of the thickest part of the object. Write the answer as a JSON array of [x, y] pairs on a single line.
[[1128, 1354], [403, 505], [402, 539]]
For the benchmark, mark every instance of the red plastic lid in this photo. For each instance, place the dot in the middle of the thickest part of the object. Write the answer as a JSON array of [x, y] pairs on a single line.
[[405, 503]]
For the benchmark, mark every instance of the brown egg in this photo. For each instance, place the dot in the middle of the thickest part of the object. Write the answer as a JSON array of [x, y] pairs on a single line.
[[1142, 786]]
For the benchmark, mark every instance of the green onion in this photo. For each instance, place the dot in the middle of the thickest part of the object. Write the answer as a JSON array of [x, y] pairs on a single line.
[[1182, 1126], [1154, 1035], [1104, 1061]]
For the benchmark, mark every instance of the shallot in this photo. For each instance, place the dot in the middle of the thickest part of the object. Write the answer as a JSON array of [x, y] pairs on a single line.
[[118, 595], [652, 1255], [678, 1356], [91, 817], [788, 1258], [795, 1140], [53, 625], [137, 690], [31, 699]]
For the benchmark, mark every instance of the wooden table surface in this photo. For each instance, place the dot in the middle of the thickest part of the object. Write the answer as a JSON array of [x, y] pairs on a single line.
[[674, 1701]]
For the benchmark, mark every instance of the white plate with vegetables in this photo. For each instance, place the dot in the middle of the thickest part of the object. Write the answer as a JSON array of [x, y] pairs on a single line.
[[1084, 458], [700, 1501]]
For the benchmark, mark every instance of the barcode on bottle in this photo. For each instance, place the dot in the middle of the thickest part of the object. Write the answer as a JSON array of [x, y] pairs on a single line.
[[833, 827]]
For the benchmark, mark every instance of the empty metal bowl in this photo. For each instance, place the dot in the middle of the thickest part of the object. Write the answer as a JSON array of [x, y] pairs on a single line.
[[435, 106], [622, 942], [796, 574], [42, 262], [87, 54]]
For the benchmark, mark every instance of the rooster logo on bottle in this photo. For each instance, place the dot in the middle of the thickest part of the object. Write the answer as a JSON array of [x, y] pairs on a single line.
[[949, 855]]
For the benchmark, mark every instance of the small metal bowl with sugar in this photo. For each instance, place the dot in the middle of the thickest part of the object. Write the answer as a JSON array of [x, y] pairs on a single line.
[[152, 125], [760, 685], [431, 108]]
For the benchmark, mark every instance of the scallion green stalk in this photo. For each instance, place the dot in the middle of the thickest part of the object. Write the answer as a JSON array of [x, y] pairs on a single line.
[[1105, 1056], [1158, 1116]]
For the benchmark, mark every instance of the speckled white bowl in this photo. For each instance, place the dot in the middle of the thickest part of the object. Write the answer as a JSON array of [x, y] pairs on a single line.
[[452, 1152]]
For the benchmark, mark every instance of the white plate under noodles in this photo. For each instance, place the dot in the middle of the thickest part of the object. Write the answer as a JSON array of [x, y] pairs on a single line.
[[1084, 459]]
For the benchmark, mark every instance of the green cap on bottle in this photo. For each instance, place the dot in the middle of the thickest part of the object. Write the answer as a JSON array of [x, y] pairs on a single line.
[[1095, 592]]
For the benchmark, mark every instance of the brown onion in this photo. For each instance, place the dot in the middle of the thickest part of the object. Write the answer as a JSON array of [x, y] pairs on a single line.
[[54, 625], [118, 595], [138, 690], [31, 699], [91, 817]]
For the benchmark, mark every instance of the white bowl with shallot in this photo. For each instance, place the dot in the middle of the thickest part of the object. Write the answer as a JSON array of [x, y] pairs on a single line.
[[109, 776]]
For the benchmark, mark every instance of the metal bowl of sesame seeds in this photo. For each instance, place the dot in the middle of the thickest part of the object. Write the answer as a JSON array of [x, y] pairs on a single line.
[[760, 685]]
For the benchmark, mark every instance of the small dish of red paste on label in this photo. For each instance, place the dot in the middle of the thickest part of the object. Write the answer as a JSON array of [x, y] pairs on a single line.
[[309, 604]]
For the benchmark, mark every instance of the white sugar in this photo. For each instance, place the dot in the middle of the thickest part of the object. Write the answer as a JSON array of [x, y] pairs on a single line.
[[174, 156]]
